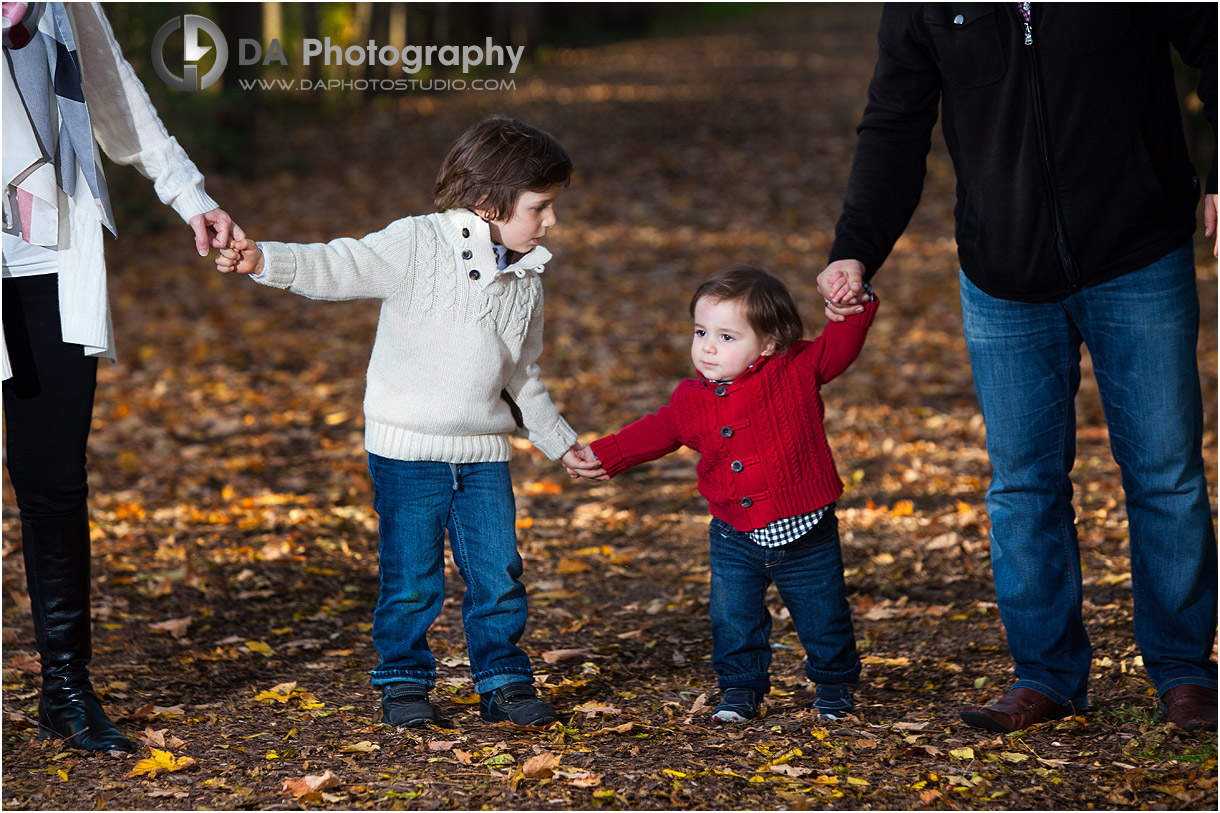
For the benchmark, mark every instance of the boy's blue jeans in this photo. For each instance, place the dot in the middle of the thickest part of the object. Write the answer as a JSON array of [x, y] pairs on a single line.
[[808, 573], [417, 501], [1142, 331]]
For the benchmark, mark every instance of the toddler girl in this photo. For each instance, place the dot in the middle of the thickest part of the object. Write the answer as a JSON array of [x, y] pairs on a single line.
[[755, 416]]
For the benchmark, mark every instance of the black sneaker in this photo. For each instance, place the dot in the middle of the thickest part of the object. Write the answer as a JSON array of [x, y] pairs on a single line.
[[405, 705], [516, 703], [737, 705], [832, 701]]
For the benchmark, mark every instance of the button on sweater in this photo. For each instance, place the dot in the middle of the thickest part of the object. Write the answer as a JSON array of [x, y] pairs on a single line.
[[764, 454], [457, 341]]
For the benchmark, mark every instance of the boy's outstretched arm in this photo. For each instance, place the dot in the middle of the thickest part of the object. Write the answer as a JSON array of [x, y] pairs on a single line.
[[243, 256]]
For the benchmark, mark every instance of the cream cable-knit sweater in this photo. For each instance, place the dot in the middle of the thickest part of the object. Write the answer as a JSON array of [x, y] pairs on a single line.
[[454, 333]]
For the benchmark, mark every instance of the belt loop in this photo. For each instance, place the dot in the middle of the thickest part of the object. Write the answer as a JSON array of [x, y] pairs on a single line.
[[454, 471]]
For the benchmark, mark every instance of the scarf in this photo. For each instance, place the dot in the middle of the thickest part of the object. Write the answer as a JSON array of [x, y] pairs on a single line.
[[54, 145]]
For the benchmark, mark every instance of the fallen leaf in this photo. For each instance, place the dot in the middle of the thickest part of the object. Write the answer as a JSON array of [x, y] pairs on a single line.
[[543, 764], [789, 770], [582, 779], [24, 661], [913, 726], [1108, 579], [567, 565], [441, 745], [160, 739], [962, 753], [362, 747], [18, 720], [312, 783], [594, 707], [561, 655], [160, 762], [175, 626]]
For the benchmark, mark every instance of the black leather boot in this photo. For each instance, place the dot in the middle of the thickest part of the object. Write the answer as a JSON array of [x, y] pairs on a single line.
[[57, 562]]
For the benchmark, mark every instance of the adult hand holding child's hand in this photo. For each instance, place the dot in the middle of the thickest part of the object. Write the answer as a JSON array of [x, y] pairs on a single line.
[[840, 284], [242, 257]]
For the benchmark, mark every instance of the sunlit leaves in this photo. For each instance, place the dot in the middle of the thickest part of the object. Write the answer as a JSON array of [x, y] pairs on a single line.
[[159, 763]]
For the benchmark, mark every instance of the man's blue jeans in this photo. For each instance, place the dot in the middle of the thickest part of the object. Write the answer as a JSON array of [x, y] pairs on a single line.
[[417, 501], [1142, 331], [808, 573]]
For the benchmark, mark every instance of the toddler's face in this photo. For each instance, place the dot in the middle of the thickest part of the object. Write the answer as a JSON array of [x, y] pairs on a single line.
[[532, 216], [724, 344]]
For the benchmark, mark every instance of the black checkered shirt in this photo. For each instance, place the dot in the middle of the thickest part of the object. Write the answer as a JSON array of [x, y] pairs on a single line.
[[788, 529]]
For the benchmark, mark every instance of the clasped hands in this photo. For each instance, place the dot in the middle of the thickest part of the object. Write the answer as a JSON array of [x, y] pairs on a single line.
[[581, 462]]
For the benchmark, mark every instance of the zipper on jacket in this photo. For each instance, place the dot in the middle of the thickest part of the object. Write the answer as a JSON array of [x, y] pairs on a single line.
[[1071, 273]]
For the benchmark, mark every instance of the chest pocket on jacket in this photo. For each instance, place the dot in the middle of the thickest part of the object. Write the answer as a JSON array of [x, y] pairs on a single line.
[[966, 37]]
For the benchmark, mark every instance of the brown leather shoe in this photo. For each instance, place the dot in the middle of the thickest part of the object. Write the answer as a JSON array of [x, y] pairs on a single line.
[[1018, 709], [1190, 707]]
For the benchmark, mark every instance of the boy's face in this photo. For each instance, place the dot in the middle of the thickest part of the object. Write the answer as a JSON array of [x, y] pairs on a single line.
[[724, 344], [532, 216]]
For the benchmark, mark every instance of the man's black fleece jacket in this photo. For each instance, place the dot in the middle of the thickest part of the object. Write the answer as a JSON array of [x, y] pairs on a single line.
[[1071, 163]]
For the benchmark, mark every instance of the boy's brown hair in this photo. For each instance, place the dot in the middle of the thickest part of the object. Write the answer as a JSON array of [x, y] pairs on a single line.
[[496, 160], [768, 305]]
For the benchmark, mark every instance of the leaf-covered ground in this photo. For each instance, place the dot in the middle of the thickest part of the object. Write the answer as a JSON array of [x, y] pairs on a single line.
[[235, 557]]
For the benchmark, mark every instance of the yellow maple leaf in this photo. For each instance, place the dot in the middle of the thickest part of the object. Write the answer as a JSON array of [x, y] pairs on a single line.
[[160, 762]]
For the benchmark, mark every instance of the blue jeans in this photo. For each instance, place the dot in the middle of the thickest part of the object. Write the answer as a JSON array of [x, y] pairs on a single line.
[[808, 573], [417, 501], [1141, 330]]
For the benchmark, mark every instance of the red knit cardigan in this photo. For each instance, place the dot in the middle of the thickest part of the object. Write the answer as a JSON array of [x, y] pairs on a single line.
[[764, 454]]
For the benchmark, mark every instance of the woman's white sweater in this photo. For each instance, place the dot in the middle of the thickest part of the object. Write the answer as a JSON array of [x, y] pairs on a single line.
[[456, 338]]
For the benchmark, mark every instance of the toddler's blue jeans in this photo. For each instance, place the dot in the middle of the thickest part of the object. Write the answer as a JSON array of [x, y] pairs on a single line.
[[417, 501], [1142, 330], [808, 573]]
